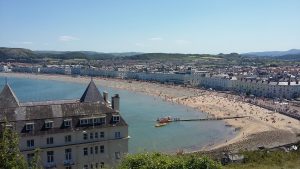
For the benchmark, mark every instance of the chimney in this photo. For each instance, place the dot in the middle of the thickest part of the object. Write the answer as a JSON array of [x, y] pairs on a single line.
[[105, 96], [115, 102]]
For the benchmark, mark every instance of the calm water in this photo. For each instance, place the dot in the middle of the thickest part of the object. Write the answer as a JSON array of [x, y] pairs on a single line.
[[140, 112]]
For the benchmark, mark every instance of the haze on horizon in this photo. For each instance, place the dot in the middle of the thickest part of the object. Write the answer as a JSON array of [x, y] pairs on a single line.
[[195, 26]]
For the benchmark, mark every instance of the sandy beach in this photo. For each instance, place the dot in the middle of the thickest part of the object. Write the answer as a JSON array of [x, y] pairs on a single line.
[[261, 128]]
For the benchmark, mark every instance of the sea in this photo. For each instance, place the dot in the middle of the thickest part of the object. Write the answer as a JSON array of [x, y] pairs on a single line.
[[140, 111]]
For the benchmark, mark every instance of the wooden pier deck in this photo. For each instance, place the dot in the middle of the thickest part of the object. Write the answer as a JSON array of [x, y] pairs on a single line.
[[209, 119]]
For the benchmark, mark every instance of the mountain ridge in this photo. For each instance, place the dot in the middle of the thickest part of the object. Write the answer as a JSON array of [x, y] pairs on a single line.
[[273, 53]]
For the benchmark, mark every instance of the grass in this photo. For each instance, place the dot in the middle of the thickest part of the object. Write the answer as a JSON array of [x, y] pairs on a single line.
[[265, 160]]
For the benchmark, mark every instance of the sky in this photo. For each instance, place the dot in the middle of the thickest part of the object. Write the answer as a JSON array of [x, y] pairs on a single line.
[[173, 26]]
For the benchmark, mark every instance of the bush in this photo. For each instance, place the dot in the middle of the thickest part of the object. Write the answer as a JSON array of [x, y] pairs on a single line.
[[158, 161]]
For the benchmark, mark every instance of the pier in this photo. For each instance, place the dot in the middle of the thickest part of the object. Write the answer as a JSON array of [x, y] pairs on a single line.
[[165, 121], [209, 119]]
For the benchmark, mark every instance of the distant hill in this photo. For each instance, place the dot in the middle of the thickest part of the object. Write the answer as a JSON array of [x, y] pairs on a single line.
[[91, 57], [294, 57], [89, 53], [15, 53], [26, 55], [274, 53]]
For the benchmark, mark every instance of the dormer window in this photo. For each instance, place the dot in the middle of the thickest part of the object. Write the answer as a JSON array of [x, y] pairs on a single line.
[[29, 126], [116, 118], [67, 122], [92, 120], [48, 124], [99, 120], [84, 121]]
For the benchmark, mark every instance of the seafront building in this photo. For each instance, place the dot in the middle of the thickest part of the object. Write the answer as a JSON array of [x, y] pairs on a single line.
[[257, 86], [71, 134]]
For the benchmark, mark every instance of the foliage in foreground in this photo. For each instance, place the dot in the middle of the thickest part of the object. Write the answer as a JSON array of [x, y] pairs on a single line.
[[269, 160], [10, 155], [158, 160]]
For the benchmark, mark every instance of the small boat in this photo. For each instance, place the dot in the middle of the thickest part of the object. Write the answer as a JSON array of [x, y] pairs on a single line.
[[160, 124], [164, 119]]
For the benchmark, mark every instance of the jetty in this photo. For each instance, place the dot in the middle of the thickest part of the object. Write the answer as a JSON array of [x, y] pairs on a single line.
[[164, 121], [209, 119]]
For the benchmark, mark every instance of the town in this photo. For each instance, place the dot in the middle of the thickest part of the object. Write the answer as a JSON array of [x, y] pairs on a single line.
[[149, 84]]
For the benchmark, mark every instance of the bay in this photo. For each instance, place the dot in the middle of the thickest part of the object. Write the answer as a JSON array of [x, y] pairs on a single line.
[[140, 112]]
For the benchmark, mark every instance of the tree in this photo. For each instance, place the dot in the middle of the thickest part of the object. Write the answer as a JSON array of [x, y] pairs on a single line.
[[158, 160], [35, 163], [10, 156]]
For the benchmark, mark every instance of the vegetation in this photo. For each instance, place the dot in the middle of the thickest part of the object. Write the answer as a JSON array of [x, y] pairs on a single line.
[[253, 160], [91, 58], [158, 160], [10, 155], [269, 160]]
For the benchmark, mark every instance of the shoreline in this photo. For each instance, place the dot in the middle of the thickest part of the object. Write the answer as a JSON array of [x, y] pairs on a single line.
[[215, 104]]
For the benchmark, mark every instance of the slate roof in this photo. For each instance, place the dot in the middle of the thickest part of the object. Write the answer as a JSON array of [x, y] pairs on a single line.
[[91, 94], [8, 98], [91, 104]]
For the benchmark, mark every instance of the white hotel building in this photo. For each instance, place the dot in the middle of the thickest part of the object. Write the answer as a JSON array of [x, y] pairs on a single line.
[[86, 133]]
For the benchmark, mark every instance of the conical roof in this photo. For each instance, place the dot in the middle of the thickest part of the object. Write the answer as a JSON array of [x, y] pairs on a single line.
[[8, 98], [91, 94]]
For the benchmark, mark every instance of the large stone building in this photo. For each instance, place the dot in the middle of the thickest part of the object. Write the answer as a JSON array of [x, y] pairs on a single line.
[[71, 134]]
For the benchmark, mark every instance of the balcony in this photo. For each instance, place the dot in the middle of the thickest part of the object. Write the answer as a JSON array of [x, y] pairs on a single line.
[[68, 162], [50, 166]]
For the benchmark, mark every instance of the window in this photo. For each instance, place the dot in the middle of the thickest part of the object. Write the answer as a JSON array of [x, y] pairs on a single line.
[[92, 166], [96, 135], [117, 135], [68, 154], [30, 143], [91, 135], [99, 120], [83, 121], [29, 126], [117, 155], [50, 156], [101, 134], [102, 149], [102, 165], [85, 166], [68, 167], [96, 149], [48, 124], [96, 165], [30, 157], [91, 150], [50, 140], [67, 123], [116, 118], [68, 138], [85, 136], [92, 121], [85, 151]]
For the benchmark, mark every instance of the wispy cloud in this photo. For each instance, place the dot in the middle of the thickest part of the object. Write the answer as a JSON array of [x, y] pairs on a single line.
[[181, 42], [22, 43], [67, 38], [156, 39]]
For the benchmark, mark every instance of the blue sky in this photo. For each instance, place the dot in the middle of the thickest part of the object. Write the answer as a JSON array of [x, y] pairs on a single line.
[[185, 26]]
